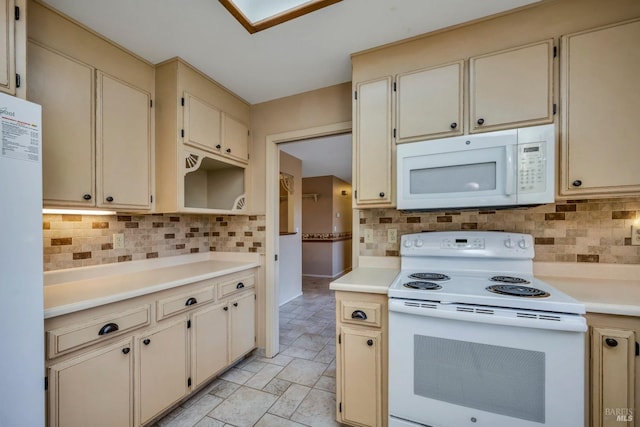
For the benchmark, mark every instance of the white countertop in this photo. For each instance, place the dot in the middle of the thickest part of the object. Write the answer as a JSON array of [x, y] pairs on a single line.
[[72, 290], [603, 288]]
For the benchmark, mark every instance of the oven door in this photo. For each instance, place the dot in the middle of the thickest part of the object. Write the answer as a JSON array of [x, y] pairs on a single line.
[[450, 368], [463, 171]]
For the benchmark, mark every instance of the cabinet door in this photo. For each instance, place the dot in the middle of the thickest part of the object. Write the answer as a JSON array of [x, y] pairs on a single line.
[[360, 353], [512, 88], [123, 144], [429, 103], [612, 368], [163, 368], [601, 100], [64, 88], [235, 138], [242, 332], [94, 389], [209, 350], [201, 124], [373, 148], [7, 47]]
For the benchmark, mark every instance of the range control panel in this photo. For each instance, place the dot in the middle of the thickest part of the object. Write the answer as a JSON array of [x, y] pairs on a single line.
[[462, 243]]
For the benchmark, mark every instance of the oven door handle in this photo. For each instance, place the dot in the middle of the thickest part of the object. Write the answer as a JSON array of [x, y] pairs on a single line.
[[506, 317]]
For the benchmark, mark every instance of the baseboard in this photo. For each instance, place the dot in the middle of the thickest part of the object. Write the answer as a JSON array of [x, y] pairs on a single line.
[[324, 276], [290, 299]]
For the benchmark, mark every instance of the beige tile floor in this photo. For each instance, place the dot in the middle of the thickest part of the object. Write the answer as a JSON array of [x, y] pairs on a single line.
[[295, 388]]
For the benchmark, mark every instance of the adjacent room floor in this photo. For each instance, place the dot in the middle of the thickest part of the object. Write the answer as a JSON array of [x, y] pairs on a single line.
[[295, 388]]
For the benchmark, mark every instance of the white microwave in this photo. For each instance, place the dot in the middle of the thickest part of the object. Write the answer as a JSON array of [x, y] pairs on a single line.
[[503, 168]]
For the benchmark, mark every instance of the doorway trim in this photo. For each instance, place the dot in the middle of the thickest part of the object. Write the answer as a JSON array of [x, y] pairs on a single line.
[[272, 158]]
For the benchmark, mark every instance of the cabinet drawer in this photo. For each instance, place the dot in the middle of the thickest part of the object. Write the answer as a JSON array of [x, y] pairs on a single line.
[[177, 304], [63, 340], [360, 313], [232, 286]]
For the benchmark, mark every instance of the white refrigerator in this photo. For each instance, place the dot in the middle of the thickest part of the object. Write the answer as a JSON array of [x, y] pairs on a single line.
[[21, 301]]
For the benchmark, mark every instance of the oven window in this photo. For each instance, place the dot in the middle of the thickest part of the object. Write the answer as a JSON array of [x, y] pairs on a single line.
[[453, 179], [500, 380]]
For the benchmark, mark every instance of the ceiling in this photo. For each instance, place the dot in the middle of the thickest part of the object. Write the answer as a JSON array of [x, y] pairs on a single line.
[[328, 155], [306, 53]]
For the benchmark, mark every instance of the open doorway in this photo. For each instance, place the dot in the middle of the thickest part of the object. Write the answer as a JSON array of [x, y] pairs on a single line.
[[315, 212]]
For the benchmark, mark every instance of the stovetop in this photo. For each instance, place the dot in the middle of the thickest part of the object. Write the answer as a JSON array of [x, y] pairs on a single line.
[[476, 268]]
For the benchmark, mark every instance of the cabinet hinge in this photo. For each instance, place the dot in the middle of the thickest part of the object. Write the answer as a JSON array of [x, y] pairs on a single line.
[[339, 339], [555, 51], [394, 132], [637, 348], [340, 407], [355, 194], [151, 103], [46, 383], [16, 12], [555, 109], [151, 198], [188, 324], [394, 87], [182, 101], [17, 80], [189, 382], [276, 257], [355, 95], [182, 132]]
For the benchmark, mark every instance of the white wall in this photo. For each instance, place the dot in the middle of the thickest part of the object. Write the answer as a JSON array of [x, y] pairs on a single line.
[[290, 254]]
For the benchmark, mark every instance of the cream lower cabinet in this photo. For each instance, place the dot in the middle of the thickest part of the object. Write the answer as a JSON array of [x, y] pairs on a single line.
[[361, 357], [600, 103], [163, 368], [95, 388], [614, 370], [242, 333], [209, 349]]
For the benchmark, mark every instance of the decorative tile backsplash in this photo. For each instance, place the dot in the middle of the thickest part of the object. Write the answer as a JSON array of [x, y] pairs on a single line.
[[596, 230], [82, 240]]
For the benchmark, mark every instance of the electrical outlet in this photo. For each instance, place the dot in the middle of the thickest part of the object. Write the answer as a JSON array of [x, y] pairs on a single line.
[[635, 235], [368, 235], [118, 241], [392, 235]]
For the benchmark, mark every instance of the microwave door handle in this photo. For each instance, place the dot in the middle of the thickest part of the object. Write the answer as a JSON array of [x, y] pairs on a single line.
[[511, 172]]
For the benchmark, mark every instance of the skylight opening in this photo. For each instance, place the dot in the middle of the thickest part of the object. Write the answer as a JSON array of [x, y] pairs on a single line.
[[258, 15]]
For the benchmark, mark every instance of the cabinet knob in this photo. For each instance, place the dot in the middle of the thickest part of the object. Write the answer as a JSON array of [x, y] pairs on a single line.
[[359, 314], [191, 301], [87, 197], [218, 146], [454, 125], [108, 328], [369, 343], [577, 183], [225, 308], [146, 341], [228, 150], [480, 121], [611, 342], [235, 304], [240, 285], [126, 350], [109, 199], [381, 194]]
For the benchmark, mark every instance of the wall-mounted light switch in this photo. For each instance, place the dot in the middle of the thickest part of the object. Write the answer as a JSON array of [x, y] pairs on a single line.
[[392, 235], [118, 241], [368, 235], [635, 235]]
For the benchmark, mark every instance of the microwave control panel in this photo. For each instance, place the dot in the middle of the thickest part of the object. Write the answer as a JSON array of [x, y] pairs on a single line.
[[532, 167]]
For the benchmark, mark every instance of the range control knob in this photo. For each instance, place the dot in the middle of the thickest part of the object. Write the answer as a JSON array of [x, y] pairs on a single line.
[[509, 243], [523, 244], [407, 243], [419, 243]]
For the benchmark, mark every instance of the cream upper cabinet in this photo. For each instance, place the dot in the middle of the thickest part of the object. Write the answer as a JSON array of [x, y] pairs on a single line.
[[615, 373], [511, 88], [123, 144], [373, 148], [429, 103], [96, 386], [201, 124], [600, 104], [235, 138], [7, 47], [65, 89]]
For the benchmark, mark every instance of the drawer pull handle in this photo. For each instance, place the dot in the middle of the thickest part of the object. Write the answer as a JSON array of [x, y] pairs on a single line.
[[191, 301], [611, 342], [480, 121], [369, 343], [108, 328], [235, 304], [225, 308], [146, 341], [359, 314], [126, 350], [454, 125], [240, 285]]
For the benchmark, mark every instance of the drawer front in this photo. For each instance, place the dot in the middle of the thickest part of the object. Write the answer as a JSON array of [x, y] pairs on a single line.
[[63, 340], [177, 304], [361, 313], [230, 287]]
